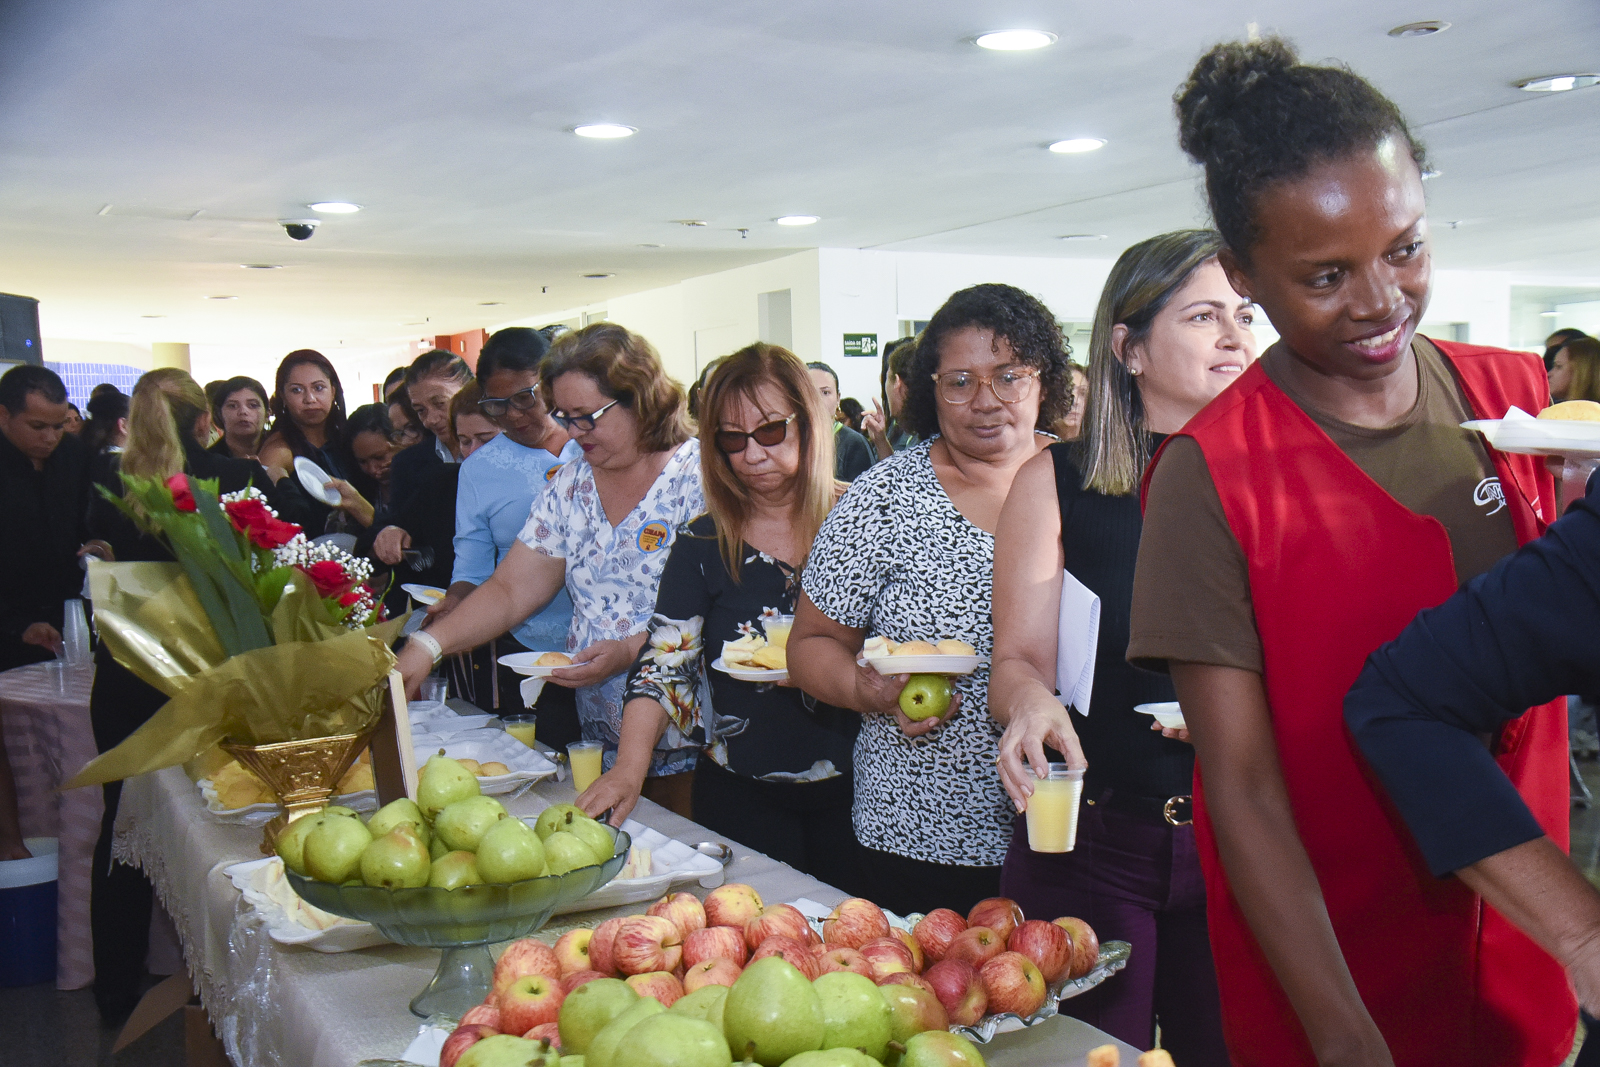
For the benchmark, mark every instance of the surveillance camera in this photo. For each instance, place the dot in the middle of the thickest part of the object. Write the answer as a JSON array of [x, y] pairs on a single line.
[[299, 229]]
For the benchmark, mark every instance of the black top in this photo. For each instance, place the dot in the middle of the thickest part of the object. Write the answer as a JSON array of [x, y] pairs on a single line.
[[405, 478], [852, 453], [40, 538], [1100, 539], [1517, 636], [430, 518], [758, 729]]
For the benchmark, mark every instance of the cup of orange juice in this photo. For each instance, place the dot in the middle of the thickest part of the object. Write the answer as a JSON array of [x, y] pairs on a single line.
[[777, 630], [1053, 809], [522, 727], [585, 759]]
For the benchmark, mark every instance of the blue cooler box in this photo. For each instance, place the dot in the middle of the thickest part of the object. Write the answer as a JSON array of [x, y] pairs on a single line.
[[28, 916]]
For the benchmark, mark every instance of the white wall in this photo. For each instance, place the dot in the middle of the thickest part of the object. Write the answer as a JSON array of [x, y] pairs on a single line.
[[61, 350]]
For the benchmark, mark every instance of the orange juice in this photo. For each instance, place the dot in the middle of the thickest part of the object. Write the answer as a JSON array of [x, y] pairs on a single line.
[[585, 759], [1053, 810], [521, 727], [777, 630]]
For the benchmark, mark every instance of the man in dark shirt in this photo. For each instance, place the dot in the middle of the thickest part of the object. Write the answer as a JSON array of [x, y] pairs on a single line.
[[851, 452], [44, 487]]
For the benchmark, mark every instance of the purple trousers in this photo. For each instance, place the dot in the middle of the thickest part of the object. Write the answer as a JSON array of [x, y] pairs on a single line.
[[1133, 878]]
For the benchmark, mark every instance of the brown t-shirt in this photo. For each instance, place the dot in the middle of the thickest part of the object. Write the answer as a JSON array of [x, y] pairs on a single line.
[[1191, 588]]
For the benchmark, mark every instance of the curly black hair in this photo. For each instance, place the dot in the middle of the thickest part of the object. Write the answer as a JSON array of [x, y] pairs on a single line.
[[1253, 115], [1022, 320]]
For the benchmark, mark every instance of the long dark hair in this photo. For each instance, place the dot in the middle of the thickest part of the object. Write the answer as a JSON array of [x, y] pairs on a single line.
[[285, 426], [104, 411]]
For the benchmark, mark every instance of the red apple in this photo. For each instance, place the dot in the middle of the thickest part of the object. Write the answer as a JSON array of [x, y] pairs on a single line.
[[715, 971], [573, 981], [685, 911], [960, 990], [784, 919], [659, 984], [646, 943], [465, 1036], [1000, 914], [792, 949], [918, 961], [485, 1014], [855, 922], [934, 932], [602, 954], [572, 951], [1049, 947], [812, 937], [714, 942], [904, 978], [839, 958], [528, 956], [734, 904], [887, 955], [1013, 983], [976, 945], [1085, 945], [529, 1001], [550, 1032]]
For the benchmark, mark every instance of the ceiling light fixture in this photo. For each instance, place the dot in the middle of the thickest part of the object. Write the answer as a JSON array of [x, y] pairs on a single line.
[[222, 298], [1082, 237], [690, 222], [1015, 40], [1074, 145], [600, 274], [490, 303], [163, 316], [1542, 314], [604, 131], [334, 207], [650, 246], [262, 266], [1558, 83], [1420, 29], [797, 220]]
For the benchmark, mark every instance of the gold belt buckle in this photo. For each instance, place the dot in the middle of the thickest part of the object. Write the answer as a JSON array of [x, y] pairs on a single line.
[[1169, 809]]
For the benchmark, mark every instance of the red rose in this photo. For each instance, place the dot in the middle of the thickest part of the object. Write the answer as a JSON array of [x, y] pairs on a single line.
[[178, 485], [252, 518], [328, 577], [246, 513], [349, 598]]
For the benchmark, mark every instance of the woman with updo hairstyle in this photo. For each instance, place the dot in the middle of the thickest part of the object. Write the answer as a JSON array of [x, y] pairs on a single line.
[[308, 417], [431, 380], [1293, 526]]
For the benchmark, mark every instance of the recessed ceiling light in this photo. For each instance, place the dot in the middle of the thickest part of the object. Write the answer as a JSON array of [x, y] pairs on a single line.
[[1075, 145], [1082, 237], [604, 131], [334, 207], [1015, 40], [1429, 173], [262, 266], [222, 298], [1558, 83], [600, 274], [651, 246], [1420, 29], [796, 220], [163, 316], [490, 303], [1542, 314], [690, 222]]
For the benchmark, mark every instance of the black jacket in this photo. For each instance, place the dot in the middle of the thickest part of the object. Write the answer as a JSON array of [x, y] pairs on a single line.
[[40, 536]]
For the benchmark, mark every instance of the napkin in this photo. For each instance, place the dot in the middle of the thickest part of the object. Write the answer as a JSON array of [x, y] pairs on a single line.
[[1077, 641], [530, 689]]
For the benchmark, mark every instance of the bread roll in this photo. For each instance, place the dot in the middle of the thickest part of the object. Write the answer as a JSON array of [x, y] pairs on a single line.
[[915, 648], [1573, 411], [553, 659], [952, 647]]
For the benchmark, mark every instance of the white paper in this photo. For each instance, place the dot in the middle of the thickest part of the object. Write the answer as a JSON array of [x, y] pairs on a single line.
[[1077, 641], [530, 688]]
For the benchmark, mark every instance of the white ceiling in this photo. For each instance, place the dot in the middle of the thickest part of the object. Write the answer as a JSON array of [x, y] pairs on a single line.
[[201, 122]]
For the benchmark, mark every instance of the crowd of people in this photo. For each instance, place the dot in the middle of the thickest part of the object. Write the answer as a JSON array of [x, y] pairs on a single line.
[[1255, 526]]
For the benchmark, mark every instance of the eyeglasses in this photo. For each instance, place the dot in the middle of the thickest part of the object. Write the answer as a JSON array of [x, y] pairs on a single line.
[[961, 387], [523, 400], [582, 422], [732, 442]]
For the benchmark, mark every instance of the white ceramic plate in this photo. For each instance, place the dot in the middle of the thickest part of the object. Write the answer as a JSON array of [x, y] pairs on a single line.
[[313, 478], [290, 920], [1168, 714], [260, 814], [749, 674], [925, 664], [1540, 437], [424, 594], [527, 765]]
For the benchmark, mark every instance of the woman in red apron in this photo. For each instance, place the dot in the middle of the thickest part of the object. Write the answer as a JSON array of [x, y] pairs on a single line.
[[1293, 526]]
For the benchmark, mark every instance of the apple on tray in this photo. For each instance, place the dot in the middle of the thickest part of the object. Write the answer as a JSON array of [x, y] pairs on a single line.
[[578, 978], [935, 930], [905, 978], [486, 1014], [602, 956], [976, 945], [464, 1037], [1000, 914], [529, 1001], [887, 955], [662, 985], [855, 922], [1013, 984], [838, 958], [733, 904], [572, 951], [715, 971], [646, 943], [1049, 947], [779, 919], [960, 991], [683, 910], [550, 1032], [1085, 945], [524, 957], [715, 942], [918, 960], [797, 952]]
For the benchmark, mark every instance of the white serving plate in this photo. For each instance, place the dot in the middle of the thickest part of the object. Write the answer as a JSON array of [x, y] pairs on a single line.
[[523, 664], [288, 917], [424, 594], [314, 478], [749, 674], [1167, 713], [527, 765], [260, 814], [1523, 434], [673, 864], [437, 717], [924, 664]]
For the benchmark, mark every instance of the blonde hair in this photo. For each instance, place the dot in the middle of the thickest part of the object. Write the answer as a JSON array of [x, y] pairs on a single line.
[[743, 374], [165, 405]]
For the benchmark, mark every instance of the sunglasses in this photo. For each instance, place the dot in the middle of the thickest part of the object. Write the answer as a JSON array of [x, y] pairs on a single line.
[[582, 422], [731, 442], [522, 400]]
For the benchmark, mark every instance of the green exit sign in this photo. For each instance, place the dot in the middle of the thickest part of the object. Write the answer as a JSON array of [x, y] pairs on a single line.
[[861, 344]]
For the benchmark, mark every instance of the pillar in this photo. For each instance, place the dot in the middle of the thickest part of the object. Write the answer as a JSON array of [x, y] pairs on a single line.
[[170, 354]]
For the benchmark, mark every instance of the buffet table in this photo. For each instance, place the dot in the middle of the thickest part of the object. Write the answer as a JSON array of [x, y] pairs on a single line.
[[278, 1005]]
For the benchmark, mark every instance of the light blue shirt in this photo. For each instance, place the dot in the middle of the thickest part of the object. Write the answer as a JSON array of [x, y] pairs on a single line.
[[499, 483]]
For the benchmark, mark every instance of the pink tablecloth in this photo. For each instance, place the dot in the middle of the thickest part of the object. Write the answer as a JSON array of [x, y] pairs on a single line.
[[45, 716]]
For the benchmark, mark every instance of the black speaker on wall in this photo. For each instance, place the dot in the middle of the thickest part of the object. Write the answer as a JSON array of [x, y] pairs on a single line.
[[19, 329]]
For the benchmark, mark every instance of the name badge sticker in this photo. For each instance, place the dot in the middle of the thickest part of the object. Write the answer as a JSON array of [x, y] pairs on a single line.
[[654, 536]]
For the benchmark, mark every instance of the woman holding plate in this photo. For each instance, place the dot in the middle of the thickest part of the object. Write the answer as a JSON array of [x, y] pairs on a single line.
[[308, 418]]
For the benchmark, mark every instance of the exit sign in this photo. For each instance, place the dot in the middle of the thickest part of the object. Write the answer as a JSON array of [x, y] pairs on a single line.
[[861, 344]]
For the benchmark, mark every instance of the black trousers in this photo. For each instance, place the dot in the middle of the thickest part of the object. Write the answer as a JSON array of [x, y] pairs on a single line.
[[557, 706], [904, 885], [804, 824]]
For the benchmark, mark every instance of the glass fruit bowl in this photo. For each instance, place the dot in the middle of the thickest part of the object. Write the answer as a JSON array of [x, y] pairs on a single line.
[[463, 922]]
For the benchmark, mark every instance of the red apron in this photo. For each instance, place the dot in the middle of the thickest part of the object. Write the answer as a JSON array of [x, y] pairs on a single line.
[[1337, 567]]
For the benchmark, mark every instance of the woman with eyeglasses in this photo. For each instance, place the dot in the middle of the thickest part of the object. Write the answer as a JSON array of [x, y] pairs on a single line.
[[601, 529], [908, 555]]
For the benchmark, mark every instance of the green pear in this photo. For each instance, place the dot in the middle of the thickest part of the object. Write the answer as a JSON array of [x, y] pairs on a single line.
[[669, 1040], [454, 870], [503, 1050], [333, 850], [340, 809], [394, 813], [832, 1057], [698, 1005], [772, 1013], [597, 837], [563, 852], [588, 1009], [939, 1048], [442, 782], [573, 1061], [602, 1050], [462, 825], [854, 1013], [437, 849], [557, 817], [397, 860], [291, 844], [510, 852]]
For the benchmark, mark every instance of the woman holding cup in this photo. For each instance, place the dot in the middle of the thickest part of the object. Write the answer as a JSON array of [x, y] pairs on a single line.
[[1169, 335]]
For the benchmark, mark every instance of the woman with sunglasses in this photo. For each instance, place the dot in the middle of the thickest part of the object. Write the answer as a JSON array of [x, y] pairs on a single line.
[[601, 529], [908, 555]]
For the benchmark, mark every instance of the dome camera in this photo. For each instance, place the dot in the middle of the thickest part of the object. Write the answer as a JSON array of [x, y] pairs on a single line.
[[299, 229]]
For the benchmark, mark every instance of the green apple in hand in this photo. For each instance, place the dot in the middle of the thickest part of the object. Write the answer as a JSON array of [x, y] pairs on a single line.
[[925, 696]]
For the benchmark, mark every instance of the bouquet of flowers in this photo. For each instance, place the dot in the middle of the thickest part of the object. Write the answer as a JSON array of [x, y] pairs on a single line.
[[255, 634]]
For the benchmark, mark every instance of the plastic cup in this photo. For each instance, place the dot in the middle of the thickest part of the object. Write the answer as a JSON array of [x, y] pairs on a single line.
[[434, 689], [777, 630], [585, 759], [1053, 809], [522, 727]]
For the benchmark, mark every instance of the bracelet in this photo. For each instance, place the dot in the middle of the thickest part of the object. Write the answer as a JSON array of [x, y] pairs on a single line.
[[431, 643]]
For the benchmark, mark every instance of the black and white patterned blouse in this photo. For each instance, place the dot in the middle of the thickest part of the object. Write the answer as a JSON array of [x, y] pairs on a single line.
[[896, 558]]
